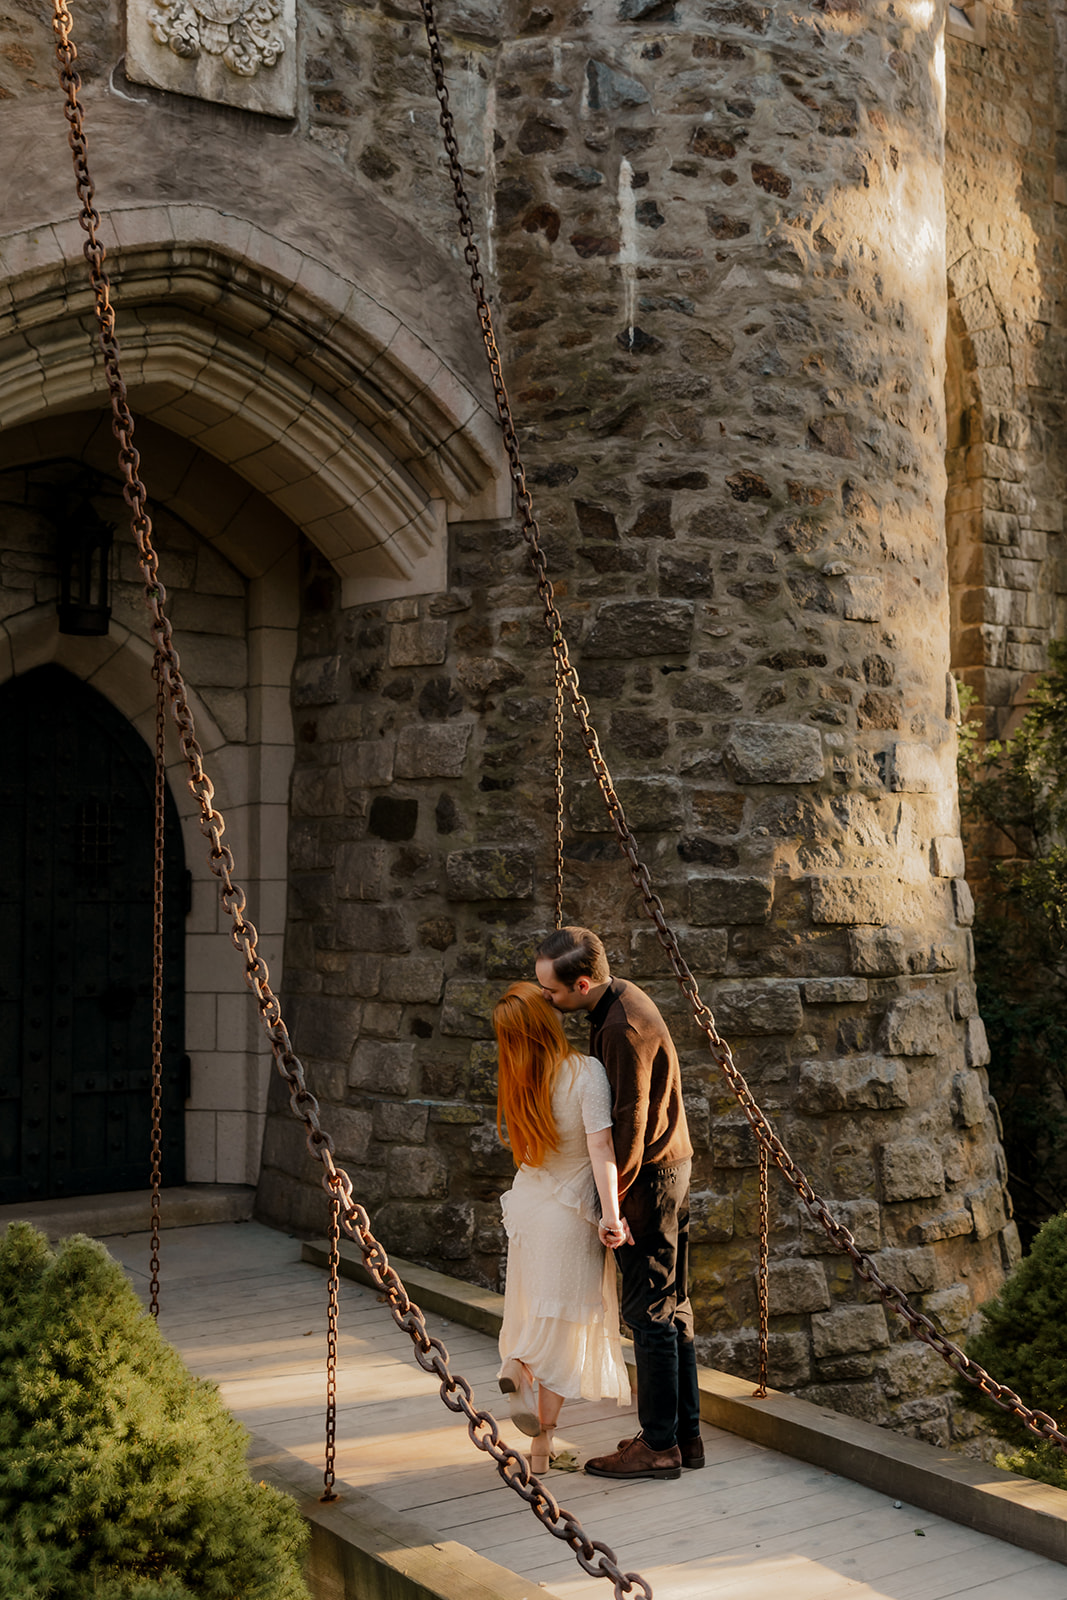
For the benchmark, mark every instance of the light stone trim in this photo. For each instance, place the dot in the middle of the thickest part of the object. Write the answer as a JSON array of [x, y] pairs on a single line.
[[225, 51], [371, 446], [231, 1063]]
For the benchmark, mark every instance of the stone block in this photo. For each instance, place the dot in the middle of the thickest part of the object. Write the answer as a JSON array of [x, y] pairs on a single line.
[[416, 1172], [455, 1112], [913, 1270], [649, 803], [834, 991], [481, 1080], [877, 951], [788, 1356], [324, 1026], [912, 1025], [795, 1286], [1011, 1249], [408, 1228], [609, 90], [432, 750], [382, 1067], [849, 1329], [862, 1218], [367, 763], [350, 1130], [759, 1008], [490, 873], [360, 872], [704, 951], [317, 681], [949, 860], [720, 899], [488, 1154], [965, 999], [468, 1008], [987, 1207], [317, 792], [951, 1307], [863, 598], [911, 1169], [374, 929], [962, 902], [946, 1225], [418, 644], [401, 1122], [624, 629], [711, 1217], [976, 1045], [413, 980], [853, 1083], [733, 1144], [512, 955], [915, 769], [968, 1099], [392, 817], [774, 752], [911, 1368], [849, 899]]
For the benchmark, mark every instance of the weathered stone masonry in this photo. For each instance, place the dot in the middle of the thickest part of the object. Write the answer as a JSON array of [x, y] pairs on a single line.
[[719, 255]]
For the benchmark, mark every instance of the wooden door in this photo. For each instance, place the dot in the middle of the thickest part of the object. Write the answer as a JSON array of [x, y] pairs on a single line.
[[76, 947]]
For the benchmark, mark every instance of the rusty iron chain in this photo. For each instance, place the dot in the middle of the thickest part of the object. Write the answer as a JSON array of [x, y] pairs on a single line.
[[329, 1476], [594, 1557], [1038, 1422], [159, 818], [760, 1392], [559, 795]]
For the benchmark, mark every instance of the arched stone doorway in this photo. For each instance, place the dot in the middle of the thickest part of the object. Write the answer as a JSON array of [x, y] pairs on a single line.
[[76, 854]]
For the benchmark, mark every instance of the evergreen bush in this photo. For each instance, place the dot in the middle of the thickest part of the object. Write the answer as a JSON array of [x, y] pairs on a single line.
[[1018, 787], [122, 1477], [1023, 1343]]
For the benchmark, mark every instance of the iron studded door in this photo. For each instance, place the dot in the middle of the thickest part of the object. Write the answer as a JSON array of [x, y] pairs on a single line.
[[76, 947]]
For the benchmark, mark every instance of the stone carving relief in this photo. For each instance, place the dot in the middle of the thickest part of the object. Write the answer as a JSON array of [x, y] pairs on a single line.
[[239, 52], [243, 32]]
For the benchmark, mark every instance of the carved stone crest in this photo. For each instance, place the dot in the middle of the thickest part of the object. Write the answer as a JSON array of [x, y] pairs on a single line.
[[241, 52], [242, 32]]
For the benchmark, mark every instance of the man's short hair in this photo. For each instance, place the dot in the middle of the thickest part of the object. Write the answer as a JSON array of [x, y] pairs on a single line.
[[575, 953]]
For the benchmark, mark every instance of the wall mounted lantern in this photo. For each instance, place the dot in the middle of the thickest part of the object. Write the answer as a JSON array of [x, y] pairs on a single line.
[[84, 550]]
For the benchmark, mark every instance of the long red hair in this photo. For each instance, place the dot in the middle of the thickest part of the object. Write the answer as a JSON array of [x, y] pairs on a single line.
[[532, 1046]]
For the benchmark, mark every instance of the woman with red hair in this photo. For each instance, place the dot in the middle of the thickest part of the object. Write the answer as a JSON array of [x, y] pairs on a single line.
[[560, 1334]]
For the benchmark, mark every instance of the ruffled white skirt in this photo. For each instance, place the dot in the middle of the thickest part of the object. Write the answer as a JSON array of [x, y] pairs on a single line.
[[561, 1309]]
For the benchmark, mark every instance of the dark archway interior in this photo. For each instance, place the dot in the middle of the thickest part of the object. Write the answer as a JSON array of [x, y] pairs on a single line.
[[76, 863]]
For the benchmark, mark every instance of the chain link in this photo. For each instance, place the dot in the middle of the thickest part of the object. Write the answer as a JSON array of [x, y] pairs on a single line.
[[594, 1557], [760, 1393], [559, 794], [332, 1292], [1039, 1423], [159, 814]]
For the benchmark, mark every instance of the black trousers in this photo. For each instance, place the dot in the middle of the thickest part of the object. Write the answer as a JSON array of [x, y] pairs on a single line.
[[655, 1304]]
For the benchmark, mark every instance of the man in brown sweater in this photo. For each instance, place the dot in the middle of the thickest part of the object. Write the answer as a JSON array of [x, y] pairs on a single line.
[[654, 1158]]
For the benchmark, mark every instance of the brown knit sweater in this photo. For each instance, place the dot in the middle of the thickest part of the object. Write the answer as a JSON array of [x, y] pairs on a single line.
[[627, 1033]]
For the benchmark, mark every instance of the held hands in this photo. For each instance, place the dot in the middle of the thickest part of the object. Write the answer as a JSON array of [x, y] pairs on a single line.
[[613, 1234]]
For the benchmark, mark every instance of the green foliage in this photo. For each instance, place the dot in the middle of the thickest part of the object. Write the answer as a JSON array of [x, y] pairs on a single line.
[[1019, 786], [122, 1477], [1023, 1336]]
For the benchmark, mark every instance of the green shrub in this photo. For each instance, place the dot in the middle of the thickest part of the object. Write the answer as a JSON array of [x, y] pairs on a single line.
[[1019, 789], [122, 1477], [1022, 1342]]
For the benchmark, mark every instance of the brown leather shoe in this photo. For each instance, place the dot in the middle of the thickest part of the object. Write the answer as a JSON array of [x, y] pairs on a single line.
[[635, 1459], [691, 1450]]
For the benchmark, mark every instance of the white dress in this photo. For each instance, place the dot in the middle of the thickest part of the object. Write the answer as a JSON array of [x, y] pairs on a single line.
[[561, 1311]]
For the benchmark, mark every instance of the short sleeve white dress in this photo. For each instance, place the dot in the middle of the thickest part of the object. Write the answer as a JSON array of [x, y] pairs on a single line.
[[561, 1312]]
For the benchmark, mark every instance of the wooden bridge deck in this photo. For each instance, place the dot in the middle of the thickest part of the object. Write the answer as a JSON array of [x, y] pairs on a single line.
[[245, 1311]]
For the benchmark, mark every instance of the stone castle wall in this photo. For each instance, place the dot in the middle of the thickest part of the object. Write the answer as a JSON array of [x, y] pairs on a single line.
[[718, 257], [1006, 186], [715, 237]]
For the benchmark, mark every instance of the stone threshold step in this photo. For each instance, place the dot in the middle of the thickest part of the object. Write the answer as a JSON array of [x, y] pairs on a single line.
[[103, 1215], [1018, 1510]]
